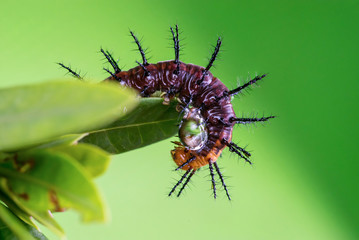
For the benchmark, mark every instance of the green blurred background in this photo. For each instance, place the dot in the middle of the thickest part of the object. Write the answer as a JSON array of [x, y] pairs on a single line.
[[304, 181]]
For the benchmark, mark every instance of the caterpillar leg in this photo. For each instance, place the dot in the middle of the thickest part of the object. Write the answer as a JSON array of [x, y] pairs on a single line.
[[222, 179], [185, 106]]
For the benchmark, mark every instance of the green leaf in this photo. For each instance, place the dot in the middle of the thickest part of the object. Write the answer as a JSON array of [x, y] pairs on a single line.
[[36, 233], [4, 156], [46, 219], [7, 234], [65, 140], [150, 122], [36, 113], [92, 158], [27, 215], [20, 213], [11, 226], [42, 180]]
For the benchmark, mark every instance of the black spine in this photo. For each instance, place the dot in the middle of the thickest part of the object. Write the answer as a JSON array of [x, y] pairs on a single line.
[[240, 88], [211, 61], [250, 120], [72, 72], [186, 163], [112, 61], [186, 182], [234, 148], [145, 70], [179, 182], [222, 179], [213, 180], [176, 45], [144, 60]]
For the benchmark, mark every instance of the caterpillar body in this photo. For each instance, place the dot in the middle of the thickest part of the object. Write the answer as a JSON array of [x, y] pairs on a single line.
[[208, 115]]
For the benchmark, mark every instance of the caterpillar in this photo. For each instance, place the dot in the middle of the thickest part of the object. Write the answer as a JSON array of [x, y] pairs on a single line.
[[205, 102]]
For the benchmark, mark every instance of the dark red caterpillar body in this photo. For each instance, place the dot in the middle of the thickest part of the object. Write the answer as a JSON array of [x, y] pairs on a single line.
[[183, 83], [207, 125]]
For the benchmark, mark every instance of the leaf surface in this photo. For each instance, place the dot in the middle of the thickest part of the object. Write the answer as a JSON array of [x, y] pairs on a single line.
[[42, 180], [12, 227], [36, 113], [149, 122], [92, 158]]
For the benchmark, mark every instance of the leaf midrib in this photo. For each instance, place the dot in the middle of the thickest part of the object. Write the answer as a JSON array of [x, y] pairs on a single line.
[[132, 125]]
